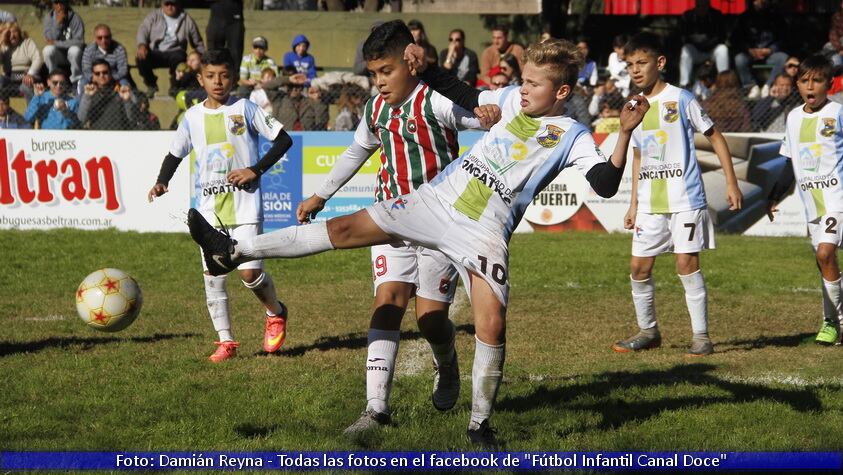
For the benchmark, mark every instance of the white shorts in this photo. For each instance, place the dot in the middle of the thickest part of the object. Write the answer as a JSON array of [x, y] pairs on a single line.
[[244, 232], [685, 232], [430, 271], [420, 218], [826, 229]]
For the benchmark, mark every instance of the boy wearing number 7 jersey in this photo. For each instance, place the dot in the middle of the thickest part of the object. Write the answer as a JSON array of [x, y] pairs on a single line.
[[668, 210]]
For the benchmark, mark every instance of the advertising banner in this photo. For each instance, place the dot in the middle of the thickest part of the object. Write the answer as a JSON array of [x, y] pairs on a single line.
[[99, 179]]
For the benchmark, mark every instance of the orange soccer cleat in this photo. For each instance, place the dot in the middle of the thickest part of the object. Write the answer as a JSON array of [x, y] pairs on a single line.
[[274, 334], [225, 350]]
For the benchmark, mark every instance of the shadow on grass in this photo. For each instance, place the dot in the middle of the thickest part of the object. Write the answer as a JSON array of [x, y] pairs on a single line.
[[765, 341], [250, 430], [7, 348], [353, 341], [616, 410]]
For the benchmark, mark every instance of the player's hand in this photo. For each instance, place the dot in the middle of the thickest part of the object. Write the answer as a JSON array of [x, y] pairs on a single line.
[[488, 115], [156, 191], [241, 176], [308, 208], [772, 207], [629, 218], [631, 115], [734, 197], [414, 57]]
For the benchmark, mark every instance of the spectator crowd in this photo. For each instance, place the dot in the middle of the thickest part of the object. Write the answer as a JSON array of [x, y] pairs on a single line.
[[744, 78]]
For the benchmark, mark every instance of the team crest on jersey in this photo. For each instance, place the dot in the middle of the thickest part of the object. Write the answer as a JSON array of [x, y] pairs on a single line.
[[551, 136], [411, 125], [829, 126], [671, 111], [237, 124]]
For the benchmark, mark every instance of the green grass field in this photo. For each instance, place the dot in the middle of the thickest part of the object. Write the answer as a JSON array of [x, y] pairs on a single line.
[[150, 387]]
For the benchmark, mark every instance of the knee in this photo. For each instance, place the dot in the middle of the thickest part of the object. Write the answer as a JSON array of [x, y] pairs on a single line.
[[74, 53], [388, 295], [251, 277], [339, 229], [49, 51], [639, 270], [721, 50], [826, 256], [686, 265], [741, 60], [685, 53]]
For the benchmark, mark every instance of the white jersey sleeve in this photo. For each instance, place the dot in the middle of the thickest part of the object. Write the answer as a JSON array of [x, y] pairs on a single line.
[[784, 150], [585, 154], [181, 145], [496, 97], [364, 135], [698, 117], [261, 122], [452, 115]]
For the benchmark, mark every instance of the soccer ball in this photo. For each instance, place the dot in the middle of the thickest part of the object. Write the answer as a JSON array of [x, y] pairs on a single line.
[[108, 300]]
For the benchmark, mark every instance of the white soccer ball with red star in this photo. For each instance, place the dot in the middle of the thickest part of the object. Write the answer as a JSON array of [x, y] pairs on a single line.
[[108, 300]]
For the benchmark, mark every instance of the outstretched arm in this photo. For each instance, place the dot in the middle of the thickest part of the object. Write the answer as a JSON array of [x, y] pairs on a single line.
[[440, 80]]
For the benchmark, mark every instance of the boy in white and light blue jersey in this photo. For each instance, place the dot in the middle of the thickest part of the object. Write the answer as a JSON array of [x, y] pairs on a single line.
[[813, 145], [221, 137], [470, 209], [668, 210]]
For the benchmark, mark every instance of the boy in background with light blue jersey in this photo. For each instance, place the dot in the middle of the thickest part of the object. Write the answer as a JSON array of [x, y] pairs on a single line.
[[668, 210], [813, 145]]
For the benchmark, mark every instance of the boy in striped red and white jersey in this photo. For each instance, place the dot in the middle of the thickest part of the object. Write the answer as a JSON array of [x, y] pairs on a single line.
[[413, 129]]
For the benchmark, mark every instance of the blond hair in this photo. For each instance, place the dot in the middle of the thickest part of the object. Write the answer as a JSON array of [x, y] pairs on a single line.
[[560, 57]]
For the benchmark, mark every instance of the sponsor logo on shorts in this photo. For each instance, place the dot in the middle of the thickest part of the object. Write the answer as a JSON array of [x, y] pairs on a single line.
[[638, 231], [237, 124], [671, 111], [551, 137], [400, 203]]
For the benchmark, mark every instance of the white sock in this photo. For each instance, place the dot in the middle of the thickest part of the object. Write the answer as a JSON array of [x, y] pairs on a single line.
[[696, 296], [264, 289], [644, 300], [216, 297], [292, 241], [486, 376], [443, 353], [831, 290], [380, 366]]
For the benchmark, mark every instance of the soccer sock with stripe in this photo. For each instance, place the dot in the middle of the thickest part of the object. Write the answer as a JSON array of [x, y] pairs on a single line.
[[216, 297], [264, 289], [292, 241], [380, 366], [486, 376], [644, 300], [831, 293], [696, 296]]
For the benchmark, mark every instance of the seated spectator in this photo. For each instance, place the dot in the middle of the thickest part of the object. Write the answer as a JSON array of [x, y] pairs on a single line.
[[299, 59], [617, 66], [610, 113], [187, 73], [106, 105], [21, 62], [509, 66], [577, 106], [7, 18], [769, 113], [146, 120], [104, 47], [498, 79], [756, 39], [420, 37], [293, 109], [359, 67], [162, 41], [605, 86], [459, 60], [587, 76], [491, 56], [706, 78], [258, 94], [791, 66], [53, 109], [320, 109], [703, 39], [726, 105], [64, 33], [253, 65], [350, 107], [9, 118]]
